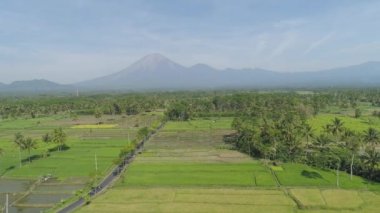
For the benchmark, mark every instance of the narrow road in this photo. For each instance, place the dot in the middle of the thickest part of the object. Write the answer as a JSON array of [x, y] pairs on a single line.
[[112, 176]]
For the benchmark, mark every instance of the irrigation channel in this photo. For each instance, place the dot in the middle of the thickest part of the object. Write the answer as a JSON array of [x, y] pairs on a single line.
[[112, 176]]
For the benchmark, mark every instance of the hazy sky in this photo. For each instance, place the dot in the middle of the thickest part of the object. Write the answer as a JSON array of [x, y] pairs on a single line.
[[72, 40]]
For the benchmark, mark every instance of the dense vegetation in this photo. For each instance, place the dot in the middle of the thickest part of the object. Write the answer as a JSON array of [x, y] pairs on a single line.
[[194, 104]]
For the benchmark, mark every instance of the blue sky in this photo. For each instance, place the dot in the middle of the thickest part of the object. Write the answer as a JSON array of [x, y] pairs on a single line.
[[69, 41]]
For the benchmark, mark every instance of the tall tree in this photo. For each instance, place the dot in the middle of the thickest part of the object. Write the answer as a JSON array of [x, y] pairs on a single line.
[[46, 138], [371, 137], [19, 142], [308, 133], [351, 142], [358, 113], [98, 114], [142, 133], [322, 142], [59, 137], [1, 151], [371, 159], [29, 144], [178, 112], [116, 108], [336, 127]]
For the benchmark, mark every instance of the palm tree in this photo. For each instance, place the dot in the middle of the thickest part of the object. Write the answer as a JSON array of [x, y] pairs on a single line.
[[334, 161], [46, 138], [30, 144], [371, 136], [1, 151], [59, 137], [322, 142], [308, 133], [336, 127], [352, 143], [19, 142], [98, 114], [371, 159]]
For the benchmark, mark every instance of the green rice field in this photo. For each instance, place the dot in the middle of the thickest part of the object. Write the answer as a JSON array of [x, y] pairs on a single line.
[[71, 169], [187, 167]]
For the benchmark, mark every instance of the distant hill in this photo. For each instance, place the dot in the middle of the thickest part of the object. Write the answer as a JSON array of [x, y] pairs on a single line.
[[34, 86], [155, 71], [366, 74], [158, 72]]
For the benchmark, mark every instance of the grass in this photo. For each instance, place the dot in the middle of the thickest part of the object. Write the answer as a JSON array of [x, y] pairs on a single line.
[[342, 199], [308, 197], [199, 124], [303, 175], [197, 174], [277, 168], [94, 126], [356, 124], [77, 161], [194, 158], [191, 200], [335, 200], [28, 123]]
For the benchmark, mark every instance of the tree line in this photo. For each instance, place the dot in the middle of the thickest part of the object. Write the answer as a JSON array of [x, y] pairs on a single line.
[[197, 103], [27, 143], [285, 136]]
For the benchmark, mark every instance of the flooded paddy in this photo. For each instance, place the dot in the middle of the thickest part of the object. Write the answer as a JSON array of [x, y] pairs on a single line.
[[58, 188], [14, 186], [42, 200], [13, 209], [27, 196]]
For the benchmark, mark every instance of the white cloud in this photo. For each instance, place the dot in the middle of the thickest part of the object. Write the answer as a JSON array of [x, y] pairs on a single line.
[[288, 40], [319, 42]]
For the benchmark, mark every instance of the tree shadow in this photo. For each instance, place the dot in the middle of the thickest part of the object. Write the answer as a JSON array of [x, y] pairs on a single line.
[[59, 148], [32, 158], [7, 170], [311, 174], [230, 138]]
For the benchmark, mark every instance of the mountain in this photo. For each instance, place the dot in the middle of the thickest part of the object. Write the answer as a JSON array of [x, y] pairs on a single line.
[[366, 74], [34, 86], [155, 71], [152, 71]]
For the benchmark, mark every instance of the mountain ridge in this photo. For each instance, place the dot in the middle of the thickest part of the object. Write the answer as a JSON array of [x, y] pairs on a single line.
[[34, 86], [156, 71]]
